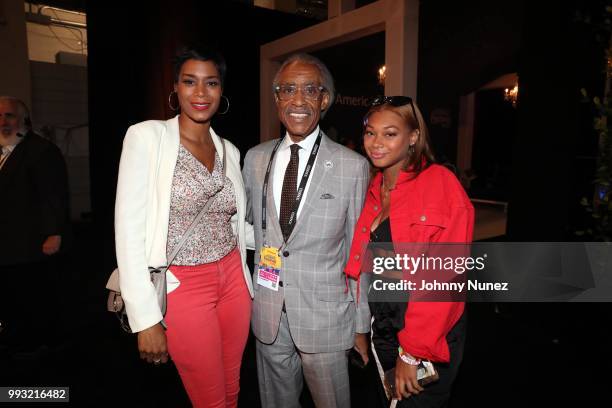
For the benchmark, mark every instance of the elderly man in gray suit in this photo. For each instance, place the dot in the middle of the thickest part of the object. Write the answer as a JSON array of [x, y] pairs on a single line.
[[305, 193]]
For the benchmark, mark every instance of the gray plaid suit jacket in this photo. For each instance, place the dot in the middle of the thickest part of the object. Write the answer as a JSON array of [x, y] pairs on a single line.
[[323, 315]]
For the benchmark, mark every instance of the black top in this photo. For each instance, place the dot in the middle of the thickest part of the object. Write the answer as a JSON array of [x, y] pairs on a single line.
[[388, 315], [382, 233]]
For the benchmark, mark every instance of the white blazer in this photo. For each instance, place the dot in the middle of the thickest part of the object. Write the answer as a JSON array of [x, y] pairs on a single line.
[[142, 212]]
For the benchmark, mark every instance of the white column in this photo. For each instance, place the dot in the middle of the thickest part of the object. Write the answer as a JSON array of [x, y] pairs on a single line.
[[401, 48], [400, 20]]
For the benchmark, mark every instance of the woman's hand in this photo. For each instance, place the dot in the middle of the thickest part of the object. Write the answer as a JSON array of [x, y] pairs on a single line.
[[152, 344], [406, 382]]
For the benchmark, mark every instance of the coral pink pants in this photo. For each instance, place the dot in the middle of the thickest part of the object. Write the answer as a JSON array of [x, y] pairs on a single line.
[[208, 323]]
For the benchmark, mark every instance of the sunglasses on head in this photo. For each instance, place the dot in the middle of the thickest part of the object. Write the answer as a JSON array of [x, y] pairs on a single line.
[[395, 101]]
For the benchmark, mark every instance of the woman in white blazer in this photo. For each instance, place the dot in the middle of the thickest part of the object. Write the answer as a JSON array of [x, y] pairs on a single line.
[[168, 171]]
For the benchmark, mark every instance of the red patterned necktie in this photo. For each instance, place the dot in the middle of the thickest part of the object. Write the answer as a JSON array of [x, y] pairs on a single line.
[[289, 191]]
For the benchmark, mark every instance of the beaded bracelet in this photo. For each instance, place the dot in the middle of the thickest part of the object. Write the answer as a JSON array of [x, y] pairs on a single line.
[[407, 358]]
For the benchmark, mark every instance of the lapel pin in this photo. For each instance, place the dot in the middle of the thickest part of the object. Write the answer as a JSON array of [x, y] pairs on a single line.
[[329, 164]]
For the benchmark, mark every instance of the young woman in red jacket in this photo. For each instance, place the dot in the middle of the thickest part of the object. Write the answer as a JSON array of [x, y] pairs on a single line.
[[411, 200]]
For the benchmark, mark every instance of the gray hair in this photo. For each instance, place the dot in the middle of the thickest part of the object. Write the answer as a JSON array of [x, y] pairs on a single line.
[[22, 108], [327, 81]]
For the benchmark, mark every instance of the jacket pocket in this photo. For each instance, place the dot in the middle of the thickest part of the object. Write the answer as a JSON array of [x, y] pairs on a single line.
[[420, 226], [333, 293], [429, 217]]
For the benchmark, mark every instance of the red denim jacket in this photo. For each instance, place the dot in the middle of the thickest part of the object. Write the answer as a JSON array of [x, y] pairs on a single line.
[[431, 208]]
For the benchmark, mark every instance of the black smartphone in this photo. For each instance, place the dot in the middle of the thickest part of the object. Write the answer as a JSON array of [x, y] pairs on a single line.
[[355, 359], [426, 373]]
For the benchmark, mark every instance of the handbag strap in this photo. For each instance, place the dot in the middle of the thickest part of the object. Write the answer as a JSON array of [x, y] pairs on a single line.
[[198, 217]]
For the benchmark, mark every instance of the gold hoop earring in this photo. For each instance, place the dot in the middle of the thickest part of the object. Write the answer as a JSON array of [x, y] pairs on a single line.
[[174, 108], [228, 105]]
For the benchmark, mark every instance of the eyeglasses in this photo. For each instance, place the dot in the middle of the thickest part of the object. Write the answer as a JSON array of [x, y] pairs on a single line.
[[394, 101], [288, 91]]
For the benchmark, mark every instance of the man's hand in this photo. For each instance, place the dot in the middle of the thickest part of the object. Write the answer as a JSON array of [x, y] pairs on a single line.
[[406, 382], [361, 345], [152, 344], [52, 244]]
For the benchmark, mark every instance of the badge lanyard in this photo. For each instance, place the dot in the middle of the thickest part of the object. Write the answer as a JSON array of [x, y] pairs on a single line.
[[300, 192]]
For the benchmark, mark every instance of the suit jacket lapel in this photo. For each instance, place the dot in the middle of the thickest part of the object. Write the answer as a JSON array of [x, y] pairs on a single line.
[[230, 171], [12, 163], [169, 146], [169, 142], [272, 223], [324, 157]]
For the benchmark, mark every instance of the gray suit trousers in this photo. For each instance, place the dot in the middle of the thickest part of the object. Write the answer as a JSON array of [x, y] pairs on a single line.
[[282, 369]]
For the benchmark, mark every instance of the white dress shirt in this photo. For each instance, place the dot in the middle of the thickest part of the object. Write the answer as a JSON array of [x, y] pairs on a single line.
[[281, 161], [6, 152]]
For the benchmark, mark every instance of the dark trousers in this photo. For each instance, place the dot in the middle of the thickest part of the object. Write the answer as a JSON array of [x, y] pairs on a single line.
[[436, 394], [27, 304]]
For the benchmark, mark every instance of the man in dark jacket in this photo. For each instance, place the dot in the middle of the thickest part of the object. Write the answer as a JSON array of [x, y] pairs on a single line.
[[33, 221]]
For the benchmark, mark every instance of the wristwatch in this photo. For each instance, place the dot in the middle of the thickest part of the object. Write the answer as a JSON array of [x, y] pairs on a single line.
[[407, 358]]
